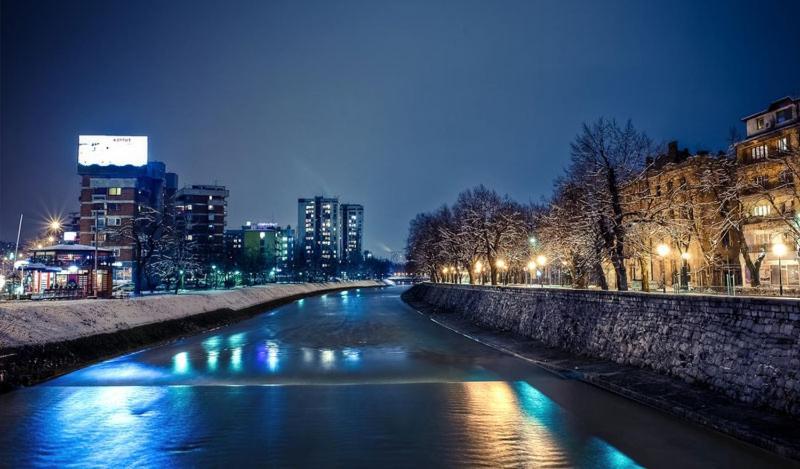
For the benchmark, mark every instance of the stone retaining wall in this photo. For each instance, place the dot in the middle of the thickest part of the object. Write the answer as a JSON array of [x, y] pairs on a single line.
[[747, 348], [41, 340]]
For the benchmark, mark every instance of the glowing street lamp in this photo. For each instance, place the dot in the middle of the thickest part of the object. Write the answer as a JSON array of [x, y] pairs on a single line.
[[531, 268], [663, 251], [684, 263], [779, 249], [55, 225], [501, 265]]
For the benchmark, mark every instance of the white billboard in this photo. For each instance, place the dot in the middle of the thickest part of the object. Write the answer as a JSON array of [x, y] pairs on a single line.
[[106, 150]]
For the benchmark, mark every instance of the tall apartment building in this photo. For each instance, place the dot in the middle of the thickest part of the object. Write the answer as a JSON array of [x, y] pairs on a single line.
[[767, 169], [318, 236], [203, 210], [285, 254], [112, 195], [352, 234]]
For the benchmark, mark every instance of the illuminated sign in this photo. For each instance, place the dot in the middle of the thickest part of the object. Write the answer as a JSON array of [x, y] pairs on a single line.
[[70, 236], [108, 150]]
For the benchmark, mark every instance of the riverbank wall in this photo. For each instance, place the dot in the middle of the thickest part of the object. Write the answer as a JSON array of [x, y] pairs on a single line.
[[41, 340], [746, 348]]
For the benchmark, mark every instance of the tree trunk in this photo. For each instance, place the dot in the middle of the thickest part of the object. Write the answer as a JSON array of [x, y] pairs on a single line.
[[492, 270], [618, 262], [645, 275], [601, 275]]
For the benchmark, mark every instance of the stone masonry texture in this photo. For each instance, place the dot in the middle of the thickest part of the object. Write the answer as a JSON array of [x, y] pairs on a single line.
[[746, 348]]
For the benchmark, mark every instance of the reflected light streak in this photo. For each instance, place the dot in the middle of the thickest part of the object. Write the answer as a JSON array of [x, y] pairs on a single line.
[[272, 355], [308, 355], [351, 354], [237, 340], [213, 358], [327, 358], [180, 363], [236, 359], [212, 342]]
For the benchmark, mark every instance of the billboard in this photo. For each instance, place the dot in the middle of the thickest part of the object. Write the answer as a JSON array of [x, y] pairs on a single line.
[[107, 150]]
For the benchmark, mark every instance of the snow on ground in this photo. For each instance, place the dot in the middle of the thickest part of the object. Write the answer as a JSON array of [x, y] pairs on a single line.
[[39, 322]]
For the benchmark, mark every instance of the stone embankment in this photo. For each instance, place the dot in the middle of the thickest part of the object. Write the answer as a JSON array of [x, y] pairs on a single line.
[[746, 348], [40, 340]]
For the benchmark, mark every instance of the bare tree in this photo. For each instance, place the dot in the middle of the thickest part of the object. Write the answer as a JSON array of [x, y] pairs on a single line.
[[144, 231], [605, 158]]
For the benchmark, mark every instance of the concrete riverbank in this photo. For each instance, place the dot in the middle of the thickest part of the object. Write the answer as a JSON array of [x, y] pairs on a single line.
[[622, 342], [40, 340]]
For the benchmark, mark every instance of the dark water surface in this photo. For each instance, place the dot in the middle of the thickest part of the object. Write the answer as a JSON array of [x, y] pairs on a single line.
[[350, 379]]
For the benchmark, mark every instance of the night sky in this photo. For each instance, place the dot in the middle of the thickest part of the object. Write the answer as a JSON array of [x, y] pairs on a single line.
[[395, 105]]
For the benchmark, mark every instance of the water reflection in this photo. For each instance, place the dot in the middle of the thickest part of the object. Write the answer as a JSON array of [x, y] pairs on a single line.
[[236, 359], [213, 358], [180, 363], [416, 395]]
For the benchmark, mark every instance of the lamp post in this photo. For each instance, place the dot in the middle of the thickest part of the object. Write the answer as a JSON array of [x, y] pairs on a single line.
[[531, 269], [541, 261], [684, 268], [779, 249], [478, 270], [501, 265], [663, 251]]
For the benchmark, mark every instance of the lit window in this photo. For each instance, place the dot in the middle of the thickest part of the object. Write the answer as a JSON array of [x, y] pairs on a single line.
[[759, 152], [760, 123], [783, 144], [188, 237], [762, 210], [114, 191]]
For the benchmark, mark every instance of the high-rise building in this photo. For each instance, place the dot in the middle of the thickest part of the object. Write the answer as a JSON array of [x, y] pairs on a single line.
[[318, 236], [285, 254], [352, 235], [203, 210], [118, 184]]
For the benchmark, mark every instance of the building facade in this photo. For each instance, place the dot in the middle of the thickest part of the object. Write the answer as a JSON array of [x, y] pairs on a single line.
[[767, 172], [678, 239], [352, 235], [203, 209], [110, 197], [318, 236]]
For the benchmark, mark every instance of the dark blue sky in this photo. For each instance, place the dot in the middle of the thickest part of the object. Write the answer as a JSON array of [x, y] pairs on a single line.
[[396, 105]]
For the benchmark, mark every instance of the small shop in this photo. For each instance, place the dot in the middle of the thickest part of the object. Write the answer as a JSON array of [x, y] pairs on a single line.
[[67, 271]]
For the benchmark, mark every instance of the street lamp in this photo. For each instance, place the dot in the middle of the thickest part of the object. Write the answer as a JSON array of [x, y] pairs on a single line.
[[501, 265], [684, 267], [663, 251], [541, 261], [531, 269], [779, 249]]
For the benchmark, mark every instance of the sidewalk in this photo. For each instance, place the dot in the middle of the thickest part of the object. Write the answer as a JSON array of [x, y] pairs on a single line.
[[761, 427]]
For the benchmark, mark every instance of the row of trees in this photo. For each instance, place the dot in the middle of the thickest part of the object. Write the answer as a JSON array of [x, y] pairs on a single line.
[[612, 201], [481, 232]]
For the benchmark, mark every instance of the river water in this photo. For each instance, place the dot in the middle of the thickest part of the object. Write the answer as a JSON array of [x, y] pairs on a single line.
[[351, 379]]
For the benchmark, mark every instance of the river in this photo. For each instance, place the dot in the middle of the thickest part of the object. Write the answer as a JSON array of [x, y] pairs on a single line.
[[349, 379]]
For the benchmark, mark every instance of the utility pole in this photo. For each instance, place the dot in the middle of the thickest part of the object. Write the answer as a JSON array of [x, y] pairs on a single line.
[[96, 238], [16, 258]]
